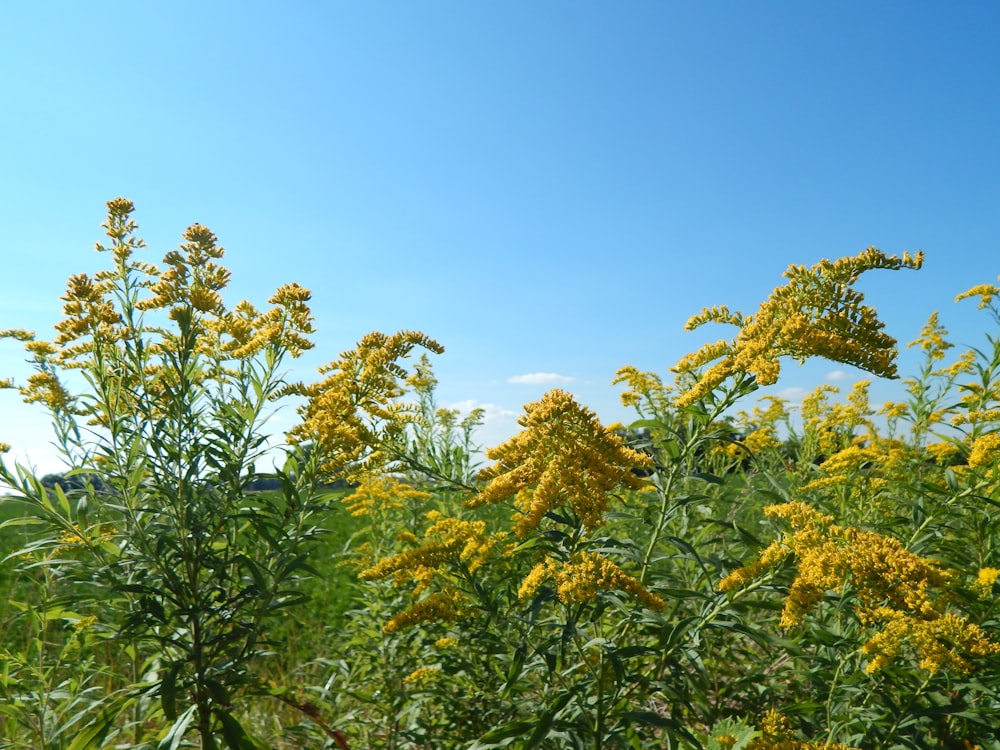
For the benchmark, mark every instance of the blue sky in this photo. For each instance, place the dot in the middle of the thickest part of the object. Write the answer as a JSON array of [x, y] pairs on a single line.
[[544, 187]]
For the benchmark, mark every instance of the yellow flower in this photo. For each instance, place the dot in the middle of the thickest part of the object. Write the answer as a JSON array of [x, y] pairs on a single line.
[[850, 460], [942, 452], [761, 440], [986, 578], [379, 493], [580, 579], [894, 589], [985, 292], [46, 387], [817, 313], [563, 458], [931, 338], [422, 675], [442, 606], [354, 411], [985, 451], [646, 392]]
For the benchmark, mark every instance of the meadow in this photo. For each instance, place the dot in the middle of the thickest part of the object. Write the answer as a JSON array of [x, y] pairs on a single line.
[[730, 571]]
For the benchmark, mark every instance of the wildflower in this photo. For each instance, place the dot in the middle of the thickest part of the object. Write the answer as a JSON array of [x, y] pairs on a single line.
[[376, 494], [353, 412], [71, 538], [580, 579], [88, 312], [422, 675], [562, 457], [442, 606], [534, 580], [449, 540], [894, 410], [985, 451], [646, 392], [985, 580], [894, 589], [761, 440], [18, 334], [942, 452], [817, 313], [985, 292], [776, 734], [945, 642], [853, 458], [46, 387], [931, 339]]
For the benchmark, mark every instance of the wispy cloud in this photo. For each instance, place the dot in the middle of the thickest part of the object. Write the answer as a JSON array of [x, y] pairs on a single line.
[[491, 412], [836, 375], [539, 378]]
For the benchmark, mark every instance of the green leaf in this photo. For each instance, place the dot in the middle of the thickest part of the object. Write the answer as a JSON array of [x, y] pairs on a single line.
[[504, 735], [174, 735], [168, 692], [236, 736]]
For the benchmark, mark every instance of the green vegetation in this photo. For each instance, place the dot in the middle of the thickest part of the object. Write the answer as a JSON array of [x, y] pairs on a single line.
[[722, 573]]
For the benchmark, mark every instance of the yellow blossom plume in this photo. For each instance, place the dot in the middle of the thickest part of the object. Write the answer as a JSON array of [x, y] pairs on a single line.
[[985, 292], [893, 587], [985, 451], [563, 457], [376, 494], [817, 313], [353, 413], [582, 577]]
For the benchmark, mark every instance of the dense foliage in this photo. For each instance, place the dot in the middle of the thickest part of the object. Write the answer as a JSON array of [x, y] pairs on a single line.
[[722, 573]]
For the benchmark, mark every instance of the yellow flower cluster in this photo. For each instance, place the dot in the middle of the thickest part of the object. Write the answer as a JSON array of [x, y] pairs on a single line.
[[422, 675], [985, 451], [192, 276], [563, 457], [761, 440], [893, 587], [985, 580], [45, 387], [776, 734], [441, 606], [582, 577], [646, 392], [450, 541], [380, 493], [975, 416], [985, 292], [448, 546], [353, 412], [89, 312], [942, 452], [817, 313], [945, 642], [932, 338], [104, 328], [243, 332]]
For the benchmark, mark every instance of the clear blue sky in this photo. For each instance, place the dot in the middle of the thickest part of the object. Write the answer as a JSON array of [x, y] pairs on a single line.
[[545, 187]]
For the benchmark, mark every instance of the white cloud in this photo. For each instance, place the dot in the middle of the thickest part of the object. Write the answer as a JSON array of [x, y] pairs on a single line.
[[836, 375], [539, 378], [492, 413]]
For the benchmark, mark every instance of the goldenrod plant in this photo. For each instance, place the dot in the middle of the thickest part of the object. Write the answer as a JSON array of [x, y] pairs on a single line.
[[732, 570], [160, 394]]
